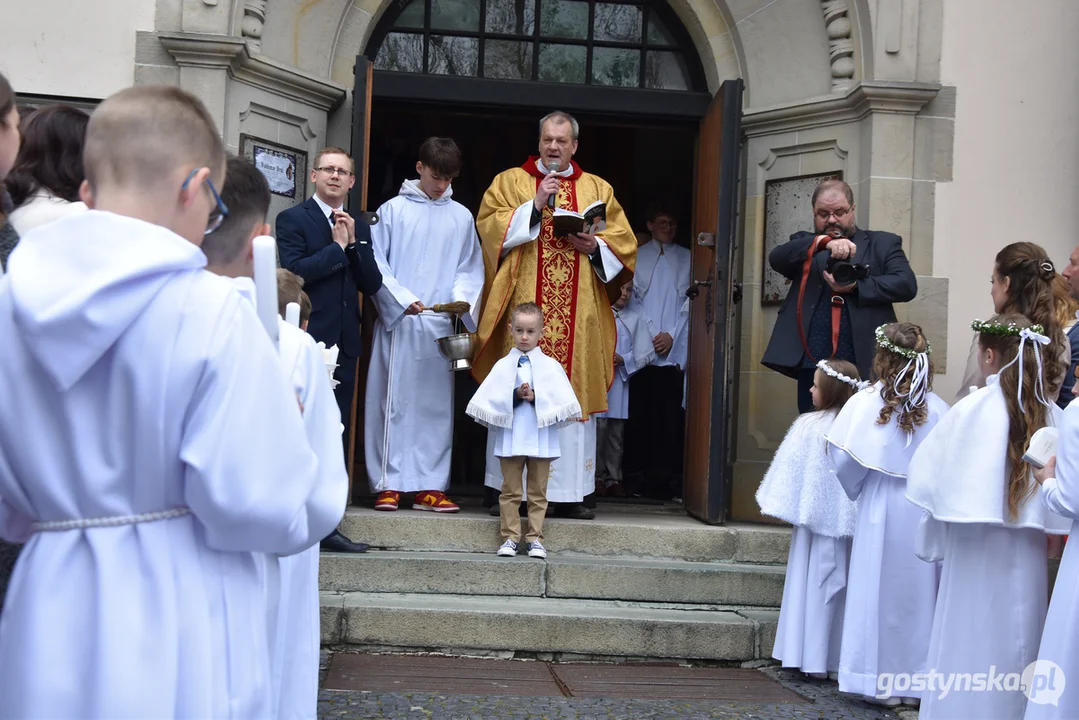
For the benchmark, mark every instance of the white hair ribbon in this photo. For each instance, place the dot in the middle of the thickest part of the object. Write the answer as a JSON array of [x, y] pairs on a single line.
[[1036, 339], [918, 366]]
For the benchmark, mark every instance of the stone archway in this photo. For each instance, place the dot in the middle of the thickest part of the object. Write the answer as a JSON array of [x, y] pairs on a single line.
[[785, 52]]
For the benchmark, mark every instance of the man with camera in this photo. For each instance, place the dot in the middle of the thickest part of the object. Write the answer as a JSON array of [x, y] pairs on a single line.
[[843, 283]]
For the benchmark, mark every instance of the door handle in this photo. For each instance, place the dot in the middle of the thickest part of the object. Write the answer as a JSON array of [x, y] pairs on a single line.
[[693, 290], [706, 239]]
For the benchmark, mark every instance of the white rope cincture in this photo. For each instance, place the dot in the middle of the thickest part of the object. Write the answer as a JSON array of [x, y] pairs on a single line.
[[114, 521], [389, 406], [832, 372], [1036, 339]]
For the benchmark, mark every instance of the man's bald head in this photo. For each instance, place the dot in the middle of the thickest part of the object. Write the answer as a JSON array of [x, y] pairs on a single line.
[[139, 137]]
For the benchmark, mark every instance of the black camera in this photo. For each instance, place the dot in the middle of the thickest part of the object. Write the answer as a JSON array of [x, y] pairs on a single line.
[[846, 273]]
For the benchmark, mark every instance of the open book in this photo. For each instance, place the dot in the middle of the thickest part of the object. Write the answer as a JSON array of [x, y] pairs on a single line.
[[593, 220]]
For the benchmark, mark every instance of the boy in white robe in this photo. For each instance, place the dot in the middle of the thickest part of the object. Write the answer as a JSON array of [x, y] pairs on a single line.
[[890, 592], [291, 580], [428, 251], [158, 453], [986, 523], [801, 488], [523, 401], [633, 350], [655, 431]]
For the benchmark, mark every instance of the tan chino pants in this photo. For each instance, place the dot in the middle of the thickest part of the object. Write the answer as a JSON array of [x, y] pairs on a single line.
[[539, 469]]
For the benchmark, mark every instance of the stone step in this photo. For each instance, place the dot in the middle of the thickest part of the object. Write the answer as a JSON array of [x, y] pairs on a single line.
[[614, 533], [469, 625], [585, 577]]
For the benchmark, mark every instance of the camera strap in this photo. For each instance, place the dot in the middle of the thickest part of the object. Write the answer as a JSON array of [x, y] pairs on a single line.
[[837, 301]]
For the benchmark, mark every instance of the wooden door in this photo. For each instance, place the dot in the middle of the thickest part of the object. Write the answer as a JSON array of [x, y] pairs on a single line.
[[713, 294], [357, 207]]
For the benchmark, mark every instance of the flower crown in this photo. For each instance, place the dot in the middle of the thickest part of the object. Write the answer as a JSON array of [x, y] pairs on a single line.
[[832, 372], [909, 353], [1002, 330]]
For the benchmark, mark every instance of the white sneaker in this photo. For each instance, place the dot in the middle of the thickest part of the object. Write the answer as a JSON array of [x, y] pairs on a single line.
[[536, 549], [508, 549]]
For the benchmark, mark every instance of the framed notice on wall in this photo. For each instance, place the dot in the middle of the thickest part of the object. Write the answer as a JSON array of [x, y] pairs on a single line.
[[788, 209], [284, 168]]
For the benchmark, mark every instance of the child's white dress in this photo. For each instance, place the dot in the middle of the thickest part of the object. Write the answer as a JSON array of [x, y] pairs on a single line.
[[994, 576], [891, 593], [801, 488]]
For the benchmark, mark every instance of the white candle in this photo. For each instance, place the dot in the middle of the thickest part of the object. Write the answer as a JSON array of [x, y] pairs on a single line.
[[265, 252], [292, 314]]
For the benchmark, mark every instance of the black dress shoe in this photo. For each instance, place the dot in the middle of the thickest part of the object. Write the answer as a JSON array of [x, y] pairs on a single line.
[[336, 542]]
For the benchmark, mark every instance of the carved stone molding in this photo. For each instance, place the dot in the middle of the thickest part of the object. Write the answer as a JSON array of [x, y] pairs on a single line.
[[840, 44], [233, 55], [300, 123], [901, 98], [253, 20]]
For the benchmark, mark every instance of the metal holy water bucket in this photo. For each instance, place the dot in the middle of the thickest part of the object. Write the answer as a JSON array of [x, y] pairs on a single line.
[[457, 348]]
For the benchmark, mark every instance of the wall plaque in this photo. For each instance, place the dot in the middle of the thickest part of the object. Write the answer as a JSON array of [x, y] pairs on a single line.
[[284, 168], [787, 210]]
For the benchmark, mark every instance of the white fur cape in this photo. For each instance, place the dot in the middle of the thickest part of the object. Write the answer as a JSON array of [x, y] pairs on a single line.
[[556, 404], [883, 448], [961, 471], [801, 487]]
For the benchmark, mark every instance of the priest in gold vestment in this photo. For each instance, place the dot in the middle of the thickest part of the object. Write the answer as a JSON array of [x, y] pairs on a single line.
[[573, 280]]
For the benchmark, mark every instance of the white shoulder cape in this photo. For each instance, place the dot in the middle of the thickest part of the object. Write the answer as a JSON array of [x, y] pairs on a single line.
[[801, 486], [883, 448], [960, 472], [556, 403]]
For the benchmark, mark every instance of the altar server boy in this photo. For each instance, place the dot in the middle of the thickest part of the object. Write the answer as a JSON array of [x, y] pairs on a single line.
[[155, 452], [633, 350], [523, 401], [427, 250], [292, 580]]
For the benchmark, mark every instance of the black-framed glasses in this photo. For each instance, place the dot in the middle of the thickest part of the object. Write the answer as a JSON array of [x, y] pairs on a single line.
[[837, 214], [219, 213], [331, 171]]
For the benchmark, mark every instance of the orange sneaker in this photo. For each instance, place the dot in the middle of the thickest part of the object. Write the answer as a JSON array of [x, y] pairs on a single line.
[[435, 501], [387, 500]]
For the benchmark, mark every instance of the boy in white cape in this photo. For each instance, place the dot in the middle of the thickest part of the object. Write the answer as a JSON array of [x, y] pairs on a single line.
[[291, 580], [986, 523], [157, 453], [633, 350], [523, 401]]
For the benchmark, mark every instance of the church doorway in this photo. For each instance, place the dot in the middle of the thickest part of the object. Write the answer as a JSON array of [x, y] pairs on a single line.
[[483, 72]]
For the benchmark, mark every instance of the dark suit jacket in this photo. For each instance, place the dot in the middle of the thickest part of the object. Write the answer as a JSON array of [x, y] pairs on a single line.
[[331, 275], [870, 304]]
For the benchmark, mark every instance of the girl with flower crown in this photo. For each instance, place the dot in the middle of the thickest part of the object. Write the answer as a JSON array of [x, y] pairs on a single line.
[[801, 488], [985, 522], [890, 592]]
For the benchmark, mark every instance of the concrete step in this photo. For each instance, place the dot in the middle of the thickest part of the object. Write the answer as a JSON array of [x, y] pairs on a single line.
[[614, 533], [586, 577], [507, 625]]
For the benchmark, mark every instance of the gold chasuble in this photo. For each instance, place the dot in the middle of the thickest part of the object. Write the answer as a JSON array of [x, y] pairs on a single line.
[[579, 322]]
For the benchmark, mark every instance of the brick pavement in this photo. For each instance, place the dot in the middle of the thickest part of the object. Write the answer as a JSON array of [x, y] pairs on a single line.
[[819, 699]]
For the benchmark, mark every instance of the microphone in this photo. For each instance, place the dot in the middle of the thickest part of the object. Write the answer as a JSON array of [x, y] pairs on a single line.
[[552, 168]]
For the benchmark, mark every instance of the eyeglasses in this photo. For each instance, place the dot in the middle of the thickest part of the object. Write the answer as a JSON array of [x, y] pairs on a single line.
[[219, 213], [825, 214], [665, 223], [331, 171]]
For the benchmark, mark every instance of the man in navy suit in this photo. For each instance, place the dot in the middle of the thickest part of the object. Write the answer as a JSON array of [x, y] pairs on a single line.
[[838, 321], [322, 243]]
